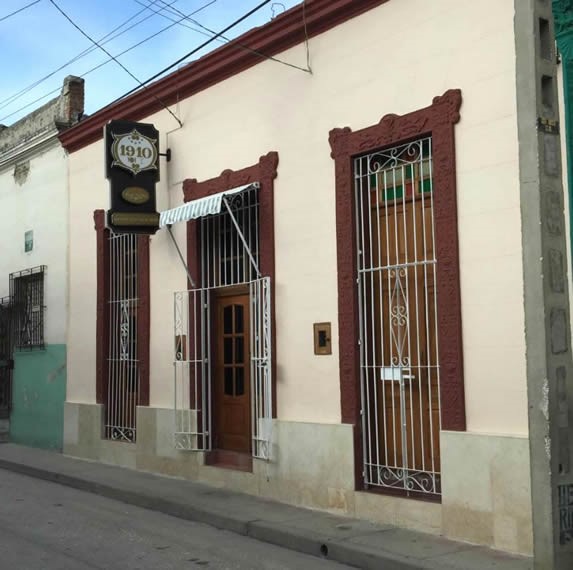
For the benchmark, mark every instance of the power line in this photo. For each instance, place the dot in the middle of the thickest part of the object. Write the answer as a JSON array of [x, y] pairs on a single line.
[[4, 103], [224, 39], [164, 70], [114, 59], [198, 48], [178, 21], [132, 47], [19, 10]]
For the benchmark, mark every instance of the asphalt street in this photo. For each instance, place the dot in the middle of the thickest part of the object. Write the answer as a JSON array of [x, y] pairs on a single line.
[[45, 526]]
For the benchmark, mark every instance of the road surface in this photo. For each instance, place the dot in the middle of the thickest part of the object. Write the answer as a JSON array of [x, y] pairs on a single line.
[[45, 526]]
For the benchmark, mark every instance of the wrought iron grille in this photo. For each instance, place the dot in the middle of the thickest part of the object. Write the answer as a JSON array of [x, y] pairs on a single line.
[[27, 293], [261, 386], [6, 362], [123, 363], [399, 363], [192, 370], [224, 260]]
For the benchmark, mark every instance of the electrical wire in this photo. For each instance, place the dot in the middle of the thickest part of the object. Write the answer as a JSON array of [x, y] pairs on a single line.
[[223, 38], [19, 10], [132, 47], [198, 48], [114, 59], [164, 70], [5, 102]]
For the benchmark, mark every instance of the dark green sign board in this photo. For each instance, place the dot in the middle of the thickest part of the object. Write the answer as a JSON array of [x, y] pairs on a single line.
[[132, 168]]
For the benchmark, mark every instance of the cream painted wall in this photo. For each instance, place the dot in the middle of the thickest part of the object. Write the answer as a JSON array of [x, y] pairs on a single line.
[[39, 204], [393, 59]]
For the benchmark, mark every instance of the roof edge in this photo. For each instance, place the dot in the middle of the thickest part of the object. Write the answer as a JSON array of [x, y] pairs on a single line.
[[280, 34]]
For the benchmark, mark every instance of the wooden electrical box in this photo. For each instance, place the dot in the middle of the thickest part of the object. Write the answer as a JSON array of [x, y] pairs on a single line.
[[322, 339]]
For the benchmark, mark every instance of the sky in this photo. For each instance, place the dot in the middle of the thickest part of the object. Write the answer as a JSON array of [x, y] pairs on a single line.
[[37, 41]]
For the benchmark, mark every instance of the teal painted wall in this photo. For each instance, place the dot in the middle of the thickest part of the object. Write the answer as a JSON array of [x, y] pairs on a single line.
[[38, 396]]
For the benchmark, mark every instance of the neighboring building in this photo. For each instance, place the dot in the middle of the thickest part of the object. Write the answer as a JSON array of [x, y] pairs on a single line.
[[33, 269], [392, 337]]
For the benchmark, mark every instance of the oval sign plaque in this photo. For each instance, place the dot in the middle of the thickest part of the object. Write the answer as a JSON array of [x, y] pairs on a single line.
[[135, 195]]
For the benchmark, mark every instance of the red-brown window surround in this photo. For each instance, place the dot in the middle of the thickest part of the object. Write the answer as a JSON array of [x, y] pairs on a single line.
[[437, 121], [102, 317], [264, 172]]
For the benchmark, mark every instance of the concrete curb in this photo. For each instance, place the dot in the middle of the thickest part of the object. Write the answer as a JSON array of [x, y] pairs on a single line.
[[266, 531]]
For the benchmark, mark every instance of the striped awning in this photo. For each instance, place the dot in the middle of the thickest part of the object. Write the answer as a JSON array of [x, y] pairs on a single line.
[[199, 208]]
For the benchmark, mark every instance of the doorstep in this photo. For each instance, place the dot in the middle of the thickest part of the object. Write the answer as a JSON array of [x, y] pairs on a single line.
[[229, 460]]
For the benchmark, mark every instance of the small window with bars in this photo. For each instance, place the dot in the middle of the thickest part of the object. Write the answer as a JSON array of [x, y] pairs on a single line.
[[27, 293], [224, 260]]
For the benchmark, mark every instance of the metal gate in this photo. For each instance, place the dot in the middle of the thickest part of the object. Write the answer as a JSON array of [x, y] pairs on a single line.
[[261, 386], [399, 365], [6, 361], [192, 372], [123, 362], [193, 369]]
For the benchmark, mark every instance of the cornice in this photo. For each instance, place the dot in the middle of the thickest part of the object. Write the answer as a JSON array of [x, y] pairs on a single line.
[[29, 149], [282, 33]]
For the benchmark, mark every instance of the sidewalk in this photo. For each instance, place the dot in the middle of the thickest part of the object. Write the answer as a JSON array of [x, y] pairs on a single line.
[[349, 541]]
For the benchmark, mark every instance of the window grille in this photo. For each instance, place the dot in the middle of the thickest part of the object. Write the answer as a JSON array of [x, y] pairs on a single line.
[[27, 293], [399, 360], [123, 361], [224, 260]]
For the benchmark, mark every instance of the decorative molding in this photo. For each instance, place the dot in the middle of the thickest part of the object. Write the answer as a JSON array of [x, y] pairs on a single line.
[[280, 34], [102, 314], [264, 172], [438, 121]]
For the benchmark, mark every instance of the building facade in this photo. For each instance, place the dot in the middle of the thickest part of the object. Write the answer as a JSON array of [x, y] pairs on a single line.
[[350, 332], [33, 269]]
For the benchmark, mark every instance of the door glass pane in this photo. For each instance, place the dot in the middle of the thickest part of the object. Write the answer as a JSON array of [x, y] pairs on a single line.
[[228, 351], [240, 380], [239, 324], [239, 350], [228, 320], [228, 381]]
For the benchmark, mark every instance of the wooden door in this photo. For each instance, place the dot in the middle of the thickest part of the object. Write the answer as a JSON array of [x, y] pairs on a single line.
[[404, 325], [232, 390]]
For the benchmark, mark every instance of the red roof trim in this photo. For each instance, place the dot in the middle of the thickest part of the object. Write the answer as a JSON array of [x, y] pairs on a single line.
[[284, 32]]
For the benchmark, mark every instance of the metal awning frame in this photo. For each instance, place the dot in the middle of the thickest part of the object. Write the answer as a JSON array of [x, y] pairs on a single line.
[[225, 202]]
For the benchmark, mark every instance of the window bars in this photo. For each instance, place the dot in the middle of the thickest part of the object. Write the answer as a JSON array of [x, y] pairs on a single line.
[[224, 259], [399, 363], [27, 294], [123, 363]]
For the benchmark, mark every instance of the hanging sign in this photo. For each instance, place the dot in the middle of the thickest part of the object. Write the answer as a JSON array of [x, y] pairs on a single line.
[[132, 168]]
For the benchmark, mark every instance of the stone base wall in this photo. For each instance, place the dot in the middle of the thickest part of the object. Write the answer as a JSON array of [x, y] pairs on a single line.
[[486, 497]]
